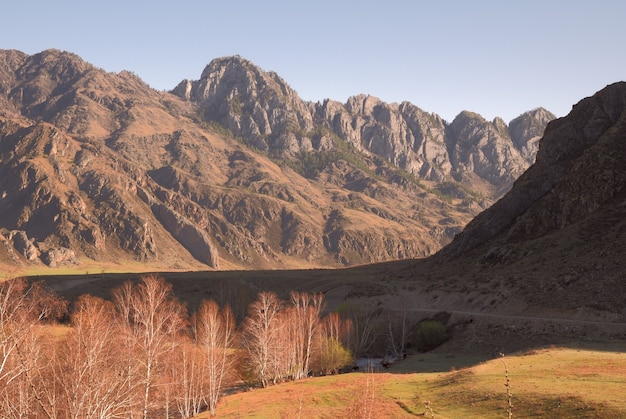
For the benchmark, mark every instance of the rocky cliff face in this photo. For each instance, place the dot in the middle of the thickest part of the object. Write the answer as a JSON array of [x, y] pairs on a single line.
[[527, 129], [232, 171], [252, 104], [260, 107]]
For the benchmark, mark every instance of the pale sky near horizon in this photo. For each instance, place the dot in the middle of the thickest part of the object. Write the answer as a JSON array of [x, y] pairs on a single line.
[[496, 58]]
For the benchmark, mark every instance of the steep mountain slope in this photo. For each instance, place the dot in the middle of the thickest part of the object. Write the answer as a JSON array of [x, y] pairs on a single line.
[[557, 239], [579, 168], [231, 171]]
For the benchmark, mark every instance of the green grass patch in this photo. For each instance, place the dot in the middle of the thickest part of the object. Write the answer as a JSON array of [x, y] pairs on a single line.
[[547, 383]]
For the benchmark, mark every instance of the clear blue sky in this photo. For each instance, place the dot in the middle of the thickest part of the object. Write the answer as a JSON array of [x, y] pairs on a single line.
[[496, 58]]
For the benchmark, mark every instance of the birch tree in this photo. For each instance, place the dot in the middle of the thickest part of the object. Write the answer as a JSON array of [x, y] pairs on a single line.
[[92, 372], [215, 331], [185, 379], [23, 307], [304, 317], [261, 336], [153, 320]]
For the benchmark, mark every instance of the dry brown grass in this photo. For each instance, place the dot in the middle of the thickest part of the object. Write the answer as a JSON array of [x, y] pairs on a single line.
[[553, 383]]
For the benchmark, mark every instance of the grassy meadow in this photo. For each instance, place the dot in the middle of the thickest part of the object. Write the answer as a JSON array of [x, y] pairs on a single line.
[[548, 383]]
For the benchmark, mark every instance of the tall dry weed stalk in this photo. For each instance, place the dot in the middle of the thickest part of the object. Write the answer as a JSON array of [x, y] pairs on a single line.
[[509, 395], [364, 404], [430, 410], [301, 409]]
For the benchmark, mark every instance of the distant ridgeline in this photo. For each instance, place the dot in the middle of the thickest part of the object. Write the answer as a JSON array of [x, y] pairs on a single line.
[[234, 170]]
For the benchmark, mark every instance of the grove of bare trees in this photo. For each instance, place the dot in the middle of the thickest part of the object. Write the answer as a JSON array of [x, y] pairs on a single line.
[[142, 354]]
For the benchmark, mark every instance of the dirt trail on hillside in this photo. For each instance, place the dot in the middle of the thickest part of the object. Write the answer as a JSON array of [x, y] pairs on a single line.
[[498, 316]]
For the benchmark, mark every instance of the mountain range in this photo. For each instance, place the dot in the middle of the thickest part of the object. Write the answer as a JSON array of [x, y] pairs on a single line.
[[235, 171]]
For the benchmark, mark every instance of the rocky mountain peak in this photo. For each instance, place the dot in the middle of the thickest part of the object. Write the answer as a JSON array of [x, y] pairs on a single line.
[[47, 69], [366, 105], [483, 151], [256, 105], [28, 81], [9, 61], [527, 129], [587, 121], [59, 65], [262, 109]]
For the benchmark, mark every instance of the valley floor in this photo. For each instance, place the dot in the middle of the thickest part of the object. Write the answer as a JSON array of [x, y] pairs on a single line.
[[557, 382]]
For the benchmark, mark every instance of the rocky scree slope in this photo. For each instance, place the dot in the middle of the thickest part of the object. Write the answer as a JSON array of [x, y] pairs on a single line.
[[99, 167]]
